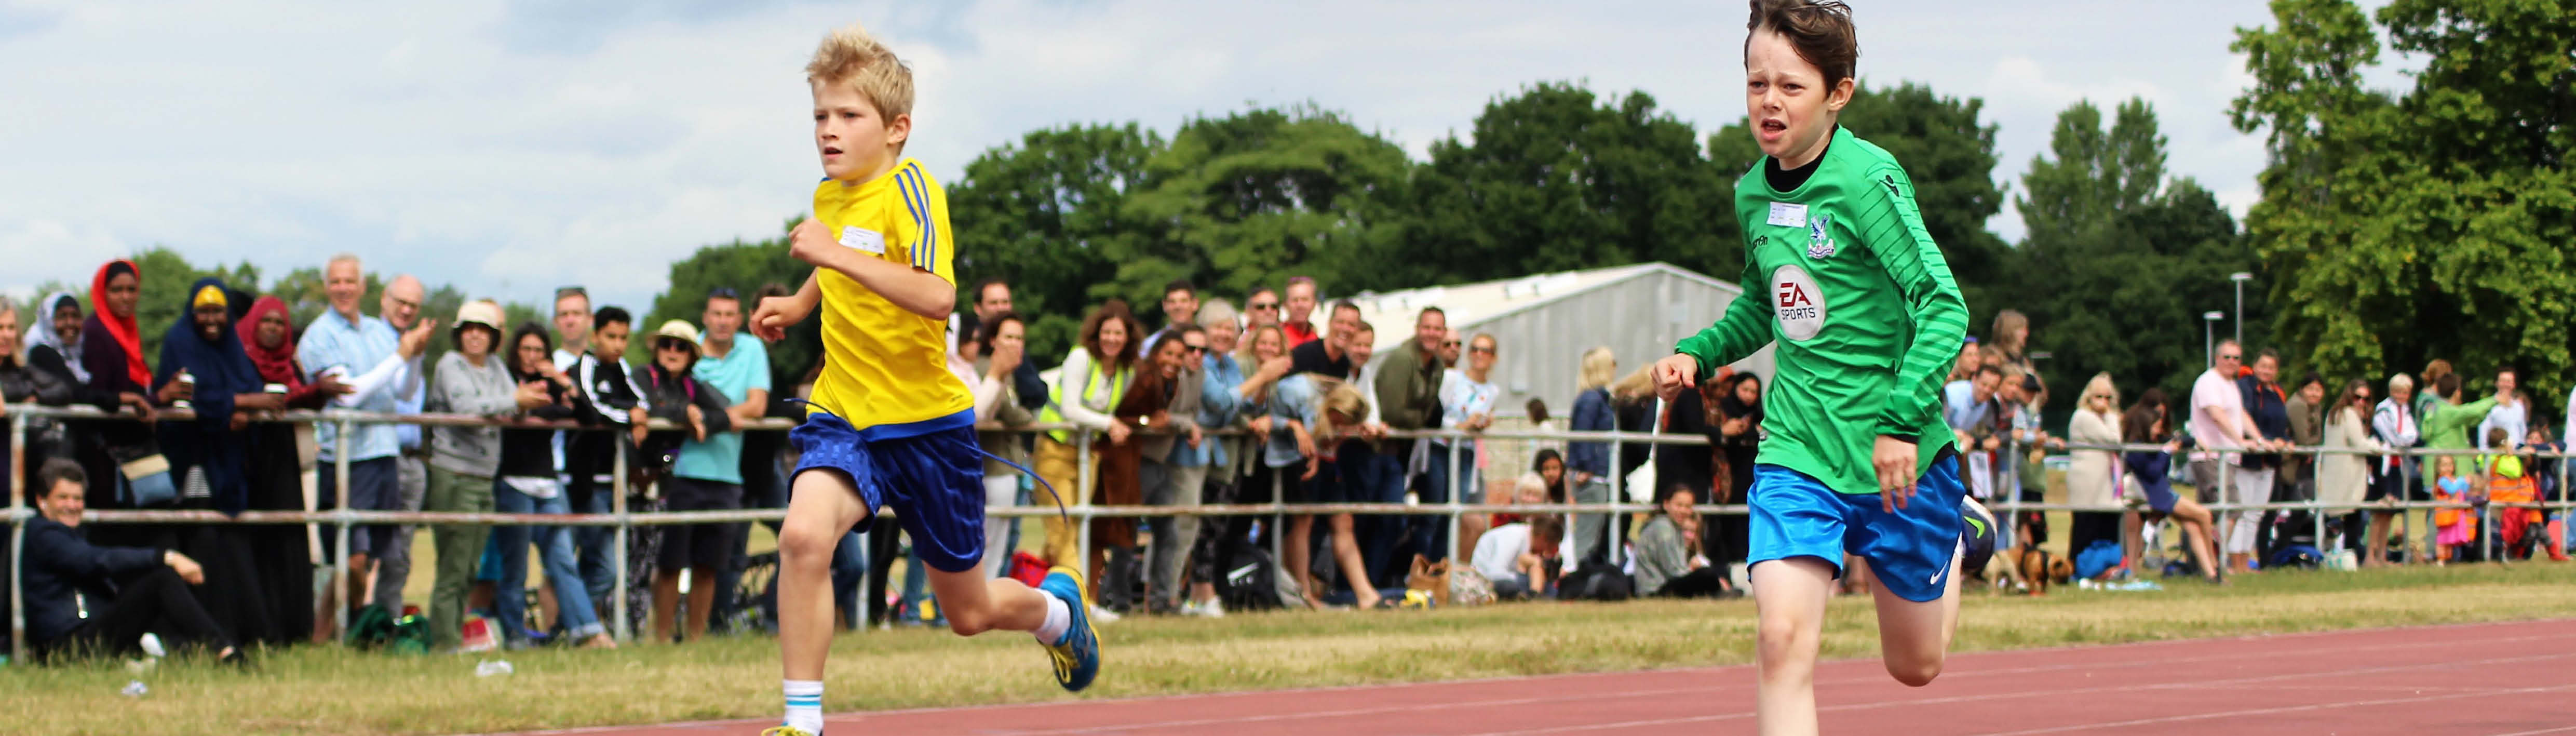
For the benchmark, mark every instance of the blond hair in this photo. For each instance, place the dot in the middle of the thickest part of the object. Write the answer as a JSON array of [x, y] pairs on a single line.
[[850, 56], [1599, 368], [2100, 386]]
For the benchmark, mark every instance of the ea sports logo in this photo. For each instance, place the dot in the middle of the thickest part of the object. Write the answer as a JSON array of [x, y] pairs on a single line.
[[1797, 303]]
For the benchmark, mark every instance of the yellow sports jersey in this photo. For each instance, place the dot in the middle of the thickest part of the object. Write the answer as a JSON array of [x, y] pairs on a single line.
[[884, 366]]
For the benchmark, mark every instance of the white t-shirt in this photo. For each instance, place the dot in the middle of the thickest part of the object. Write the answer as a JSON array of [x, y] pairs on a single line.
[[1498, 553], [2215, 407], [1461, 398], [2513, 418]]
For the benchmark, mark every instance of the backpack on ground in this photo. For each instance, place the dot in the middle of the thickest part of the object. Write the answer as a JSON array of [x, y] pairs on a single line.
[[2097, 559]]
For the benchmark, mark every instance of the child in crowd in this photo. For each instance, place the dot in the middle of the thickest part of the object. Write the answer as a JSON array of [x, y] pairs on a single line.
[[2457, 527]]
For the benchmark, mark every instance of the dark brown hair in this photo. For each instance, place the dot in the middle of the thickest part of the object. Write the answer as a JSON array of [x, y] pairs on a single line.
[[1114, 309], [1820, 31]]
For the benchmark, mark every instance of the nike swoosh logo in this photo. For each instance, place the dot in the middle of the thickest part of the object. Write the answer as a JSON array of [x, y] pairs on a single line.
[[1979, 524]]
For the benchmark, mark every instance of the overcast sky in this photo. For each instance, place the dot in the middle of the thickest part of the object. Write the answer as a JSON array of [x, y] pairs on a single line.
[[512, 147]]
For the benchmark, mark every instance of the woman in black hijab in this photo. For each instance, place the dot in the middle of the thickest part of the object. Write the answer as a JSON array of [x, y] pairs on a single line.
[[209, 457]]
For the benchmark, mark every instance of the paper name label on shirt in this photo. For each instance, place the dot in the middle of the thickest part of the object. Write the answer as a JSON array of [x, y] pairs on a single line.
[[863, 239], [1785, 214]]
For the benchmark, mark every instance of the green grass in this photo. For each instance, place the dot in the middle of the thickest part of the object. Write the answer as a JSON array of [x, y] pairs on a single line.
[[317, 690]]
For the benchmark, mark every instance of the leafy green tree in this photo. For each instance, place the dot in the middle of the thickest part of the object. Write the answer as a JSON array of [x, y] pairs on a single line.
[[744, 267], [1555, 178], [1947, 149], [1250, 198], [2120, 261], [2432, 225], [1043, 215]]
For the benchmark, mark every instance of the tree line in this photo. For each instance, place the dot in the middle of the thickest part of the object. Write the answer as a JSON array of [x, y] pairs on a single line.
[[2394, 227]]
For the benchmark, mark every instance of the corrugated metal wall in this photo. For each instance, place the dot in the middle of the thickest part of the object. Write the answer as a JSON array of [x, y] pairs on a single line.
[[1638, 318]]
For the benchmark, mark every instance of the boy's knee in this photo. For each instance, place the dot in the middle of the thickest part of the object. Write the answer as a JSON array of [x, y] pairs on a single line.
[[968, 623], [1916, 671], [806, 543]]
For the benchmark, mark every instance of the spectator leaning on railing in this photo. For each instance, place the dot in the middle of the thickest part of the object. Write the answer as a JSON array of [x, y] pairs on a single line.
[[112, 355], [2397, 478], [210, 455], [1090, 383], [1172, 385], [705, 415], [987, 362], [529, 485], [1408, 398], [1590, 461], [2266, 407], [2343, 479], [384, 367]]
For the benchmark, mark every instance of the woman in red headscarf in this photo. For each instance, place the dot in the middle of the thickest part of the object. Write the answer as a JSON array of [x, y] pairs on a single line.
[[112, 351], [284, 553]]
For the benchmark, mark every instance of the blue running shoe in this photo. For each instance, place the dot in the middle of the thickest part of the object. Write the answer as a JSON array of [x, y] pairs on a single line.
[[1977, 542], [1077, 655]]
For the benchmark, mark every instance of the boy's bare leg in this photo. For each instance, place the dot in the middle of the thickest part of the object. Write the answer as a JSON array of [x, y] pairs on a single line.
[[975, 604], [1789, 599], [1914, 637], [822, 507]]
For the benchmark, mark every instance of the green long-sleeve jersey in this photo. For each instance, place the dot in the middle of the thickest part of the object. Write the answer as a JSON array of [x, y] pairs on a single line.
[[1840, 272]]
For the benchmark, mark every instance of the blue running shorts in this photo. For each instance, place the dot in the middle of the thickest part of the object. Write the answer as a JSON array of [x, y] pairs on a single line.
[[1911, 549], [932, 476]]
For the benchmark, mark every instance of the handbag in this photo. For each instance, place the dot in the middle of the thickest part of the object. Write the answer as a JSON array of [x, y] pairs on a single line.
[[144, 475]]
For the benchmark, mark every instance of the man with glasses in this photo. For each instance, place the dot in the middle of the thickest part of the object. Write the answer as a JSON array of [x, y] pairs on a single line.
[[1262, 310], [383, 367], [992, 300], [401, 306]]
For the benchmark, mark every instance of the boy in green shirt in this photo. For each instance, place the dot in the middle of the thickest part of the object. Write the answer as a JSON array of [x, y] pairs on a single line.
[[1840, 273]]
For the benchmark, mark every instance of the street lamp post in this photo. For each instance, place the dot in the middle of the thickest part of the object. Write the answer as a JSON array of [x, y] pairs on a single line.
[[2209, 337], [2240, 278]]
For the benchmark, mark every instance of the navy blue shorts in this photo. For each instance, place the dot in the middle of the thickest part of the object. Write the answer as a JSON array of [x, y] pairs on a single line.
[[1795, 515], [934, 479]]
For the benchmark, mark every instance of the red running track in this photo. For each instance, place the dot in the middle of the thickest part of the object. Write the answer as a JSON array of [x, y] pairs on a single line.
[[2516, 679]]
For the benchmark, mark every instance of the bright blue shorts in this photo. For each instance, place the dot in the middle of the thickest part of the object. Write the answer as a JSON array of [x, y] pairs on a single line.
[[932, 476], [1910, 550]]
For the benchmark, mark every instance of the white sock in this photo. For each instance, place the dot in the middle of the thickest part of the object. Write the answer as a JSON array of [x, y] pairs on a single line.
[[1059, 619], [804, 705]]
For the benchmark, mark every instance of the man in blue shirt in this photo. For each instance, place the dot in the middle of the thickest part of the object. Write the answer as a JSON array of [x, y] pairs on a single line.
[[708, 473], [382, 366]]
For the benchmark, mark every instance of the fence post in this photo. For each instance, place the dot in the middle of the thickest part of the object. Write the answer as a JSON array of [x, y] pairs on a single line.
[[340, 510], [1083, 469], [617, 547], [2228, 519], [1612, 525], [17, 539], [2317, 501], [1457, 502], [1278, 521]]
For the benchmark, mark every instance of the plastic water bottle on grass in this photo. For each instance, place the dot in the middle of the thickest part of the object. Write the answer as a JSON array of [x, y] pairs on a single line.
[[493, 668], [135, 689]]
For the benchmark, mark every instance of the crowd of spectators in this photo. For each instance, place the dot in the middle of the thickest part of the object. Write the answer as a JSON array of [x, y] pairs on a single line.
[[1219, 405]]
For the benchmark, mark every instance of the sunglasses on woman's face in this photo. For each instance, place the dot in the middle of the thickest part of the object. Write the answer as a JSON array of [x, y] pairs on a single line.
[[670, 345], [1265, 305]]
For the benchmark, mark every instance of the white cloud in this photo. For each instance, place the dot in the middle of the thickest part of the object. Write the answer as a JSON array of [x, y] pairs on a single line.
[[510, 148]]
